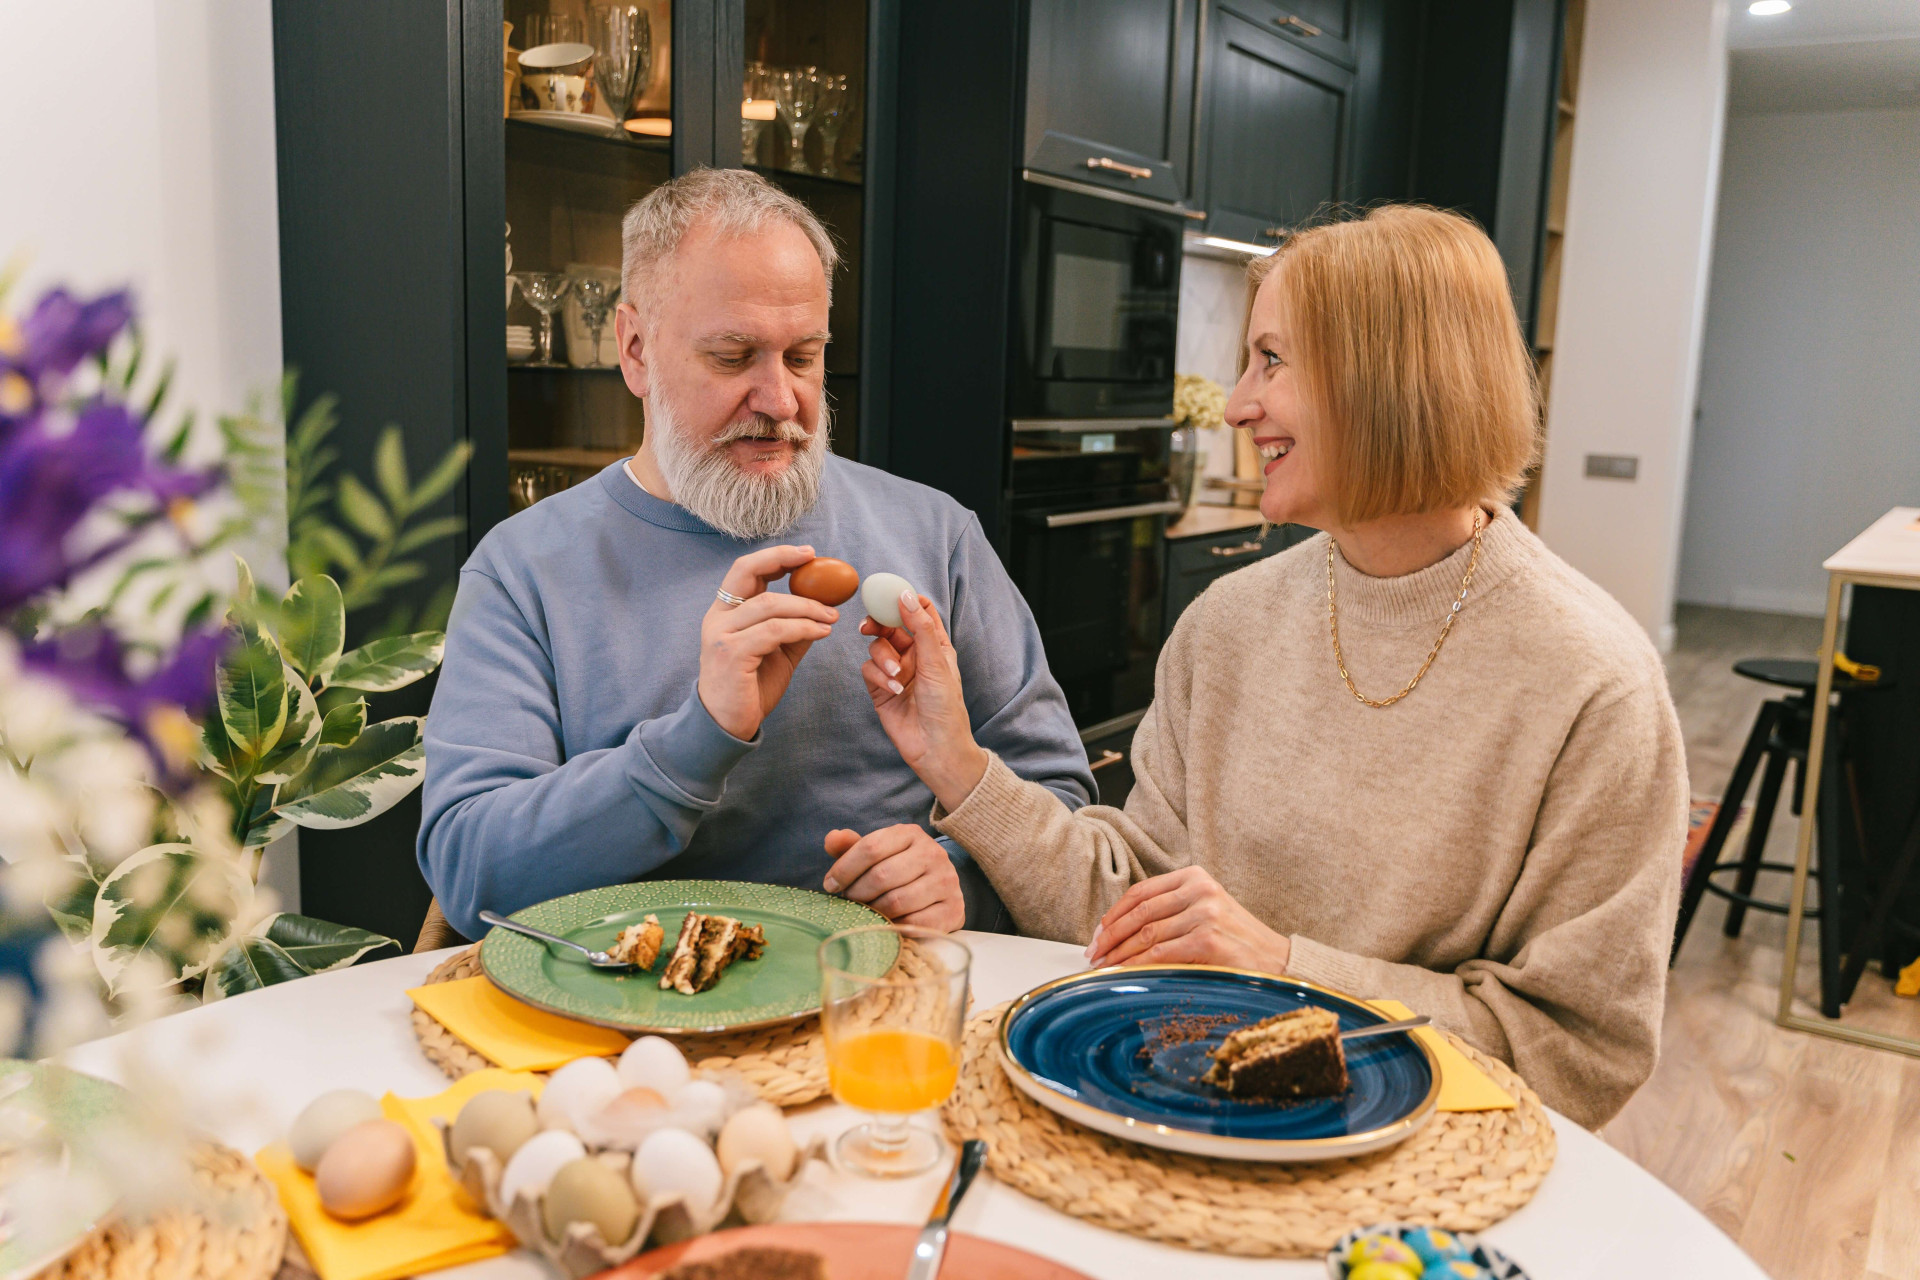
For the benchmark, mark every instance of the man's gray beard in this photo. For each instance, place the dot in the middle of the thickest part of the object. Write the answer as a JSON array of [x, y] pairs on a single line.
[[707, 483]]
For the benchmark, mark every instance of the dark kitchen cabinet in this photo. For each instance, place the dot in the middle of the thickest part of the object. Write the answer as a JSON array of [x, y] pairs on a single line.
[[1194, 564], [1277, 130], [1327, 27], [1110, 93], [1110, 757]]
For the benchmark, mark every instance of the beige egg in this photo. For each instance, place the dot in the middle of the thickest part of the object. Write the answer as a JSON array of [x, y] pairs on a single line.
[[758, 1132], [586, 1190], [367, 1170], [499, 1120], [326, 1118]]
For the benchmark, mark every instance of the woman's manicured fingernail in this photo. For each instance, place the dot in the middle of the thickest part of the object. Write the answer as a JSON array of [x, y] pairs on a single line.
[[1093, 942], [909, 602], [896, 686], [893, 669]]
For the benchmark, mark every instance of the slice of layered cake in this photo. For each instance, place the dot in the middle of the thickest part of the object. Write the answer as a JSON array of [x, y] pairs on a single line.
[[704, 949], [639, 944], [1290, 1055], [754, 1263]]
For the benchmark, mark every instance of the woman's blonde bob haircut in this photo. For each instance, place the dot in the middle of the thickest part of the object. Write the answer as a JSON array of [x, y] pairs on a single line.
[[1401, 325]]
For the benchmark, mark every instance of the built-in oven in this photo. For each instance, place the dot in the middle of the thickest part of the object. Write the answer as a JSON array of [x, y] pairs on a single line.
[[1097, 304], [1086, 547]]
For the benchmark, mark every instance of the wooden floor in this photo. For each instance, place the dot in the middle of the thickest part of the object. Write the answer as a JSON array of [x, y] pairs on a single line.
[[1804, 1150]]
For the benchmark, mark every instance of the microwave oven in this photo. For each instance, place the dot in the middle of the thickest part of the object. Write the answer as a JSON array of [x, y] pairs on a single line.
[[1097, 303]]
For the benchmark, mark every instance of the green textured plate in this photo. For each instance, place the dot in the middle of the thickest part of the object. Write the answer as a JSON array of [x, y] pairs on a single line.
[[54, 1110], [783, 985]]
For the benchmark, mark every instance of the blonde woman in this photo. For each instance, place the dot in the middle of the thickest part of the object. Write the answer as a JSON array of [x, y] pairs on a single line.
[[1417, 756]]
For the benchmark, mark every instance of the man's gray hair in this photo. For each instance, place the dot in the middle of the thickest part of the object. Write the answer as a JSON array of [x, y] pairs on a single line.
[[734, 202]]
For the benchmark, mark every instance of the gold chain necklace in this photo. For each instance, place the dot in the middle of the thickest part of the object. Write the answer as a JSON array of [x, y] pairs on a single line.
[[1333, 621]]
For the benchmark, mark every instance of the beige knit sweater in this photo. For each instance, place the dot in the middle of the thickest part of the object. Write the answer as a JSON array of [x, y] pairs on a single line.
[[1500, 850]]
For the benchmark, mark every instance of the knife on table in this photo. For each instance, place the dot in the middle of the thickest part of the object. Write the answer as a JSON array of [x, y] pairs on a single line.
[[931, 1247]]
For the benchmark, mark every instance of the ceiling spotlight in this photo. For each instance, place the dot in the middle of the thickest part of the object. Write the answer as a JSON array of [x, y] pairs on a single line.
[[1768, 8]]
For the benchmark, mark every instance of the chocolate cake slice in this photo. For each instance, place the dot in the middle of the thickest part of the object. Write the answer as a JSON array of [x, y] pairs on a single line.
[[639, 944], [1290, 1055], [704, 949], [754, 1263]]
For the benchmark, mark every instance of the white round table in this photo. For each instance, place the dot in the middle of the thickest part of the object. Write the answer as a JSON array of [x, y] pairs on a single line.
[[244, 1067]]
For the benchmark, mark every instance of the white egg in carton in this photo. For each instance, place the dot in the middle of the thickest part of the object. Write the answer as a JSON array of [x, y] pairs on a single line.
[[680, 1150]]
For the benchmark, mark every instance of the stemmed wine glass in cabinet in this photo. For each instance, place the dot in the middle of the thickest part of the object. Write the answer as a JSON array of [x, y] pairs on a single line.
[[835, 100], [756, 110], [596, 303], [544, 289], [796, 95], [622, 55]]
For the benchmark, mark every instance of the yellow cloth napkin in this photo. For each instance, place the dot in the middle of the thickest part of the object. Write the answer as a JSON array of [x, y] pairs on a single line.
[[510, 1034], [433, 1228], [1463, 1086]]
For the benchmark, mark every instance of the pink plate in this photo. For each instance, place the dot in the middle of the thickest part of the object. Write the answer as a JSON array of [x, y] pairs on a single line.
[[853, 1251]]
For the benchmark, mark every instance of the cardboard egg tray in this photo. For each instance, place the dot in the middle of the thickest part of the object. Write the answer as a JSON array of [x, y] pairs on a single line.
[[749, 1194]]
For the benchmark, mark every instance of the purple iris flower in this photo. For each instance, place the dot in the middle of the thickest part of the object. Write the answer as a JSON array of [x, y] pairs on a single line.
[[50, 481], [92, 663], [63, 331]]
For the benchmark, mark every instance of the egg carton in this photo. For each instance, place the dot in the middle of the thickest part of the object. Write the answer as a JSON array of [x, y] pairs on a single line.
[[750, 1194]]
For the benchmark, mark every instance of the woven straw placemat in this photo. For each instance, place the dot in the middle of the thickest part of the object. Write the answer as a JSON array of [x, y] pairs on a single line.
[[786, 1065], [238, 1233], [1463, 1170]]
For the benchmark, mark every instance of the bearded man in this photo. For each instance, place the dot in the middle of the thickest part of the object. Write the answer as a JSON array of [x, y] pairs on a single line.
[[627, 695]]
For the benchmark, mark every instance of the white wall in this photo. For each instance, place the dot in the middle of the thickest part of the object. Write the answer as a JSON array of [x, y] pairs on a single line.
[[1639, 234], [145, 157], [1213, 307], [1809, 422]]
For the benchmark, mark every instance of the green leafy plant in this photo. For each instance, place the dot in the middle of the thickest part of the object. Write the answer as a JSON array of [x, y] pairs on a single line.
[[364, 534]]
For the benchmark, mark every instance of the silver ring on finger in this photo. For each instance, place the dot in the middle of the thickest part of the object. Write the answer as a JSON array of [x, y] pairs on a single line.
[[729, 599]]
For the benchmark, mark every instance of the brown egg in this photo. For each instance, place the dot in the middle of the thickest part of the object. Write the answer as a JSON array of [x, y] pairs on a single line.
[[824, 579], [633, 1104], [367, 1170]]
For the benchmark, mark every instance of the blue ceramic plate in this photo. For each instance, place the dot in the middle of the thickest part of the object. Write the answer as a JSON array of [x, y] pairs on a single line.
[[1092, 1048]]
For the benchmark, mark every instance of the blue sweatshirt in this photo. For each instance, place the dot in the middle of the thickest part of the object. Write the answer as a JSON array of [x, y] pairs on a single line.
[[567, 747]]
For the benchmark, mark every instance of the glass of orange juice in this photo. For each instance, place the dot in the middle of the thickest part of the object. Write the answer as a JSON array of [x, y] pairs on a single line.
[[893, 999]]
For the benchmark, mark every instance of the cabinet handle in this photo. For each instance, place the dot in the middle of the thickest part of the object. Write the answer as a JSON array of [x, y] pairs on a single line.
[[1237, 549], [1304, 27], [1278, 233], [1106, 758], [1114, 166]]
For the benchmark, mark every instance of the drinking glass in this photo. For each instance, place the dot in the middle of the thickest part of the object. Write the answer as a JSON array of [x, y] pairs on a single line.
[[834, 101], [756, 110], [622, 40], [893, 999], [796, 96], [596, 303], [544, 289], [552, 28]]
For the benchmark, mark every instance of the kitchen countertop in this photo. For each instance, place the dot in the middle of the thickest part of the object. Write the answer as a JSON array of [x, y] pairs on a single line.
[[1198, 521]]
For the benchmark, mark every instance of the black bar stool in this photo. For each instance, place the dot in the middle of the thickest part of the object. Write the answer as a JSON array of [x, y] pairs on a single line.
[[1780, 736]]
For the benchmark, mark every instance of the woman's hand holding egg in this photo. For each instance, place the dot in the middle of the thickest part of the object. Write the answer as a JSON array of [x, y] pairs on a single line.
[[913, 676]]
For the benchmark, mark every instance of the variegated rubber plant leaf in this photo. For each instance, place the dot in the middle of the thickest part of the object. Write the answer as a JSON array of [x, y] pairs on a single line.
[[313, 626], [168, 903], [284, 946], [252, 692], [345, 786], [343, 715], [299, 735], [248, 964], [381, 666]]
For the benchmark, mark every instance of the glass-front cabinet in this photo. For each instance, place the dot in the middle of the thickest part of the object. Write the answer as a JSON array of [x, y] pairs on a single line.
[[589, 129]]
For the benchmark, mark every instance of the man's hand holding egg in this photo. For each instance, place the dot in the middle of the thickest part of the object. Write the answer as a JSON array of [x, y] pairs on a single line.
[[748, 651]]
